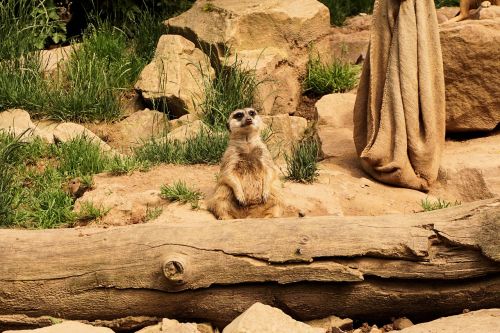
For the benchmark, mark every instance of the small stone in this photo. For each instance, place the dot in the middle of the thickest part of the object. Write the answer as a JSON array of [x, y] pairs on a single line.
[[151, 329], [375, 329], [332, 322], [206, 328], [260, 318], [402, 323], [173, 326]]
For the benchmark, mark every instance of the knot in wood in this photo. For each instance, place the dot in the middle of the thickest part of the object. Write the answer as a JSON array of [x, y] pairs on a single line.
[[304, 239], [174, 271]]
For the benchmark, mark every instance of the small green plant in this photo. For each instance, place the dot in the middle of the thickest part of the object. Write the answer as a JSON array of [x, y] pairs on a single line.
[[428, 205], [205, 147], [89, 212], [302, 165], [208, 7], [325, 78], [87, 181], [180, 192], [233, 88], [153, 213]]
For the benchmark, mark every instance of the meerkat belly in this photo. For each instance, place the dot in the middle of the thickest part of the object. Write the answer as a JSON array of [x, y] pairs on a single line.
[[251, 173]]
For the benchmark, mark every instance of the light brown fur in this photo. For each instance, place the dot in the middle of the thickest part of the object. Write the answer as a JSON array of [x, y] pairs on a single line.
[[467, 5], [248, 184]]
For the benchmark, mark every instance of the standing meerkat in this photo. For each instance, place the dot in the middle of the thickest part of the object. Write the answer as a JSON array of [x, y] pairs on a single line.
[[248, 184]]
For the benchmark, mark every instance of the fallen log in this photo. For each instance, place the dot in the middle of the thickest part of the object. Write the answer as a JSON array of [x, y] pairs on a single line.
[[424, 265]]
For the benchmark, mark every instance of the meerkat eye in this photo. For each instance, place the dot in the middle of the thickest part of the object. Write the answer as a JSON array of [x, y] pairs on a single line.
[[252, 113], [238, 115]]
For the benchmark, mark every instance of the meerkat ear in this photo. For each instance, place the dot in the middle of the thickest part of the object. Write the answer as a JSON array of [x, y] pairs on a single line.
[[228, 127]]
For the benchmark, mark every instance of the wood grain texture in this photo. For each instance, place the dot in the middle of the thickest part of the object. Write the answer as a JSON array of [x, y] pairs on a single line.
[[309, 267]]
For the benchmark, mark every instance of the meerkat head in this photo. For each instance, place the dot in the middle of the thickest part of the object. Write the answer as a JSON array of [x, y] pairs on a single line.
[[244, 121]]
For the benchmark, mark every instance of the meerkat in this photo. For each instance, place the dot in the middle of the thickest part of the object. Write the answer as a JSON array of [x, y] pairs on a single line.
[[467, 5], [248, 184]]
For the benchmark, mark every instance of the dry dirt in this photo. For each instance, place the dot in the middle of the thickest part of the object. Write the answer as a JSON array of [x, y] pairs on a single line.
[[470, 171]]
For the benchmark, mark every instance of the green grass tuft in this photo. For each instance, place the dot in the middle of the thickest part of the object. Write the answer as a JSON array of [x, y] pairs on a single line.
[[205, 147], [22, 84], [46, 204], [302, 164], [10, 193], [153, 213], [89, 212], [97, 74], [428, 205], [325, 79], [118, 165], [79, 157], [180, 192]]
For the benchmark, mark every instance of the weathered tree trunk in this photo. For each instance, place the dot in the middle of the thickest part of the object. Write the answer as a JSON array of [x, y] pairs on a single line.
[[423, 265]]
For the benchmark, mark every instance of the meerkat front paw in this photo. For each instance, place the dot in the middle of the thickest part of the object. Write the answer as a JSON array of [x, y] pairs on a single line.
[[485, 4], [240, 197], [265, 195]]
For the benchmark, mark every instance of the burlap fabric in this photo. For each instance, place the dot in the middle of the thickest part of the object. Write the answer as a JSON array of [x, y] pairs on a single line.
[[399, 115]]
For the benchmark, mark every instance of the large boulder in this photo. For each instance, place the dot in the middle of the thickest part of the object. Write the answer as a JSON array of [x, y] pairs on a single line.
[[261, 318], [474, 321], [253, 24], [176, 75], [471, 67]]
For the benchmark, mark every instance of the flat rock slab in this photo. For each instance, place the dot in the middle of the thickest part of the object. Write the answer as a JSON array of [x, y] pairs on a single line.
[[261, 318], [67, 327], [481, 321]]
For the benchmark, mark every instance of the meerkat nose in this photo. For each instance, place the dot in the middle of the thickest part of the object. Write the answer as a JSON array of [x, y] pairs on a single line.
[[248, 121]]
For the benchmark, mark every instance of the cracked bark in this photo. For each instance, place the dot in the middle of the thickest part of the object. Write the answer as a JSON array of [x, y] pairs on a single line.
[[425, 264]]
